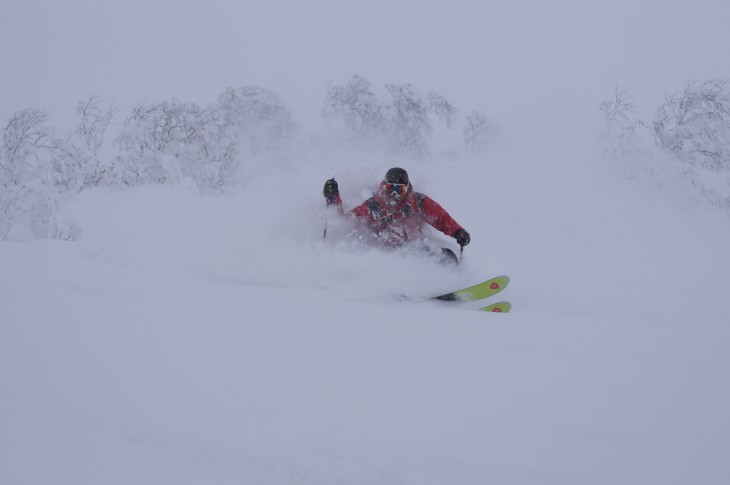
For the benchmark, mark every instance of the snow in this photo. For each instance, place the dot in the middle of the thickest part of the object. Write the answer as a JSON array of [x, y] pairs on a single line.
[[195, 339]]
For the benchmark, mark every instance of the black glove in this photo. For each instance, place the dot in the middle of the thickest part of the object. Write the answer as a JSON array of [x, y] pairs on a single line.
[[462, 237], [330, 191]]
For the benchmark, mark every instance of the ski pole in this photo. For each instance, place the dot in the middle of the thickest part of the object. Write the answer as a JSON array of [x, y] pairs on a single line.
[[330, 192], [461, 253], [324, 236]]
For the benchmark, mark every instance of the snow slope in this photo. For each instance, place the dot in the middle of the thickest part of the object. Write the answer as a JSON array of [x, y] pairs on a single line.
[[187, 339]]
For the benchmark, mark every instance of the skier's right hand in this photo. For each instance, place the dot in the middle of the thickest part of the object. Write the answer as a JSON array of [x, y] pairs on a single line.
[[330, 191], [462, 237]]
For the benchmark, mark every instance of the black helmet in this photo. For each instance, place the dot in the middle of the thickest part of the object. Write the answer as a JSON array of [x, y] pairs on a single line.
[[395, 185], [396, 175]]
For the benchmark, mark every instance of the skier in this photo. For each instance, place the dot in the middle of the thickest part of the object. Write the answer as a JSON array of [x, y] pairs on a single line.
[[395, 215]]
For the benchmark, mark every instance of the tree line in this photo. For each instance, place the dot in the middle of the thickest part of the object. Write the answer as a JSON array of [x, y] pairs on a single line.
[[170, 141], [688, 141]]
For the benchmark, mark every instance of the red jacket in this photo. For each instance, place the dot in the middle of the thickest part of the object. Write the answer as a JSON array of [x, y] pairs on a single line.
[[396, 225]]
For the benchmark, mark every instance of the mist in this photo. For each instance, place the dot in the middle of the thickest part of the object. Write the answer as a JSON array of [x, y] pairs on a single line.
[[178, 304]]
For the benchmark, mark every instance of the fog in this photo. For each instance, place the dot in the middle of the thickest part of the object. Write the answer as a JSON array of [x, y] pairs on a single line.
[[514, 61]]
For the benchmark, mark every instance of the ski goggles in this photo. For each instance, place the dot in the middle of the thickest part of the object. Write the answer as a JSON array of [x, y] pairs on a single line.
[[397, 188]]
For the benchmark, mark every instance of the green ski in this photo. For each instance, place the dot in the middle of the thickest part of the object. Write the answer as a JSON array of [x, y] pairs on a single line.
[[499, 307], [477, 292]]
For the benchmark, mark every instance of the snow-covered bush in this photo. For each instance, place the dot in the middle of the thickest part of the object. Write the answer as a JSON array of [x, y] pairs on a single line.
[[152, 132], [28, 200], [695, 125], [621, 137], [255, 119], [410, 126], [177, 142], [685, 150], [28, 211], [79, 163], [168, 142], [356, 105], [173, 140], [410, 123], [28, 147], [402, 118], [478, 132], [442, 109]]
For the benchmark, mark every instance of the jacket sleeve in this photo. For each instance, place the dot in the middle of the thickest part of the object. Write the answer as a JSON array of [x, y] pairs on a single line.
[[362, 210], [337, 202], [438, 217]]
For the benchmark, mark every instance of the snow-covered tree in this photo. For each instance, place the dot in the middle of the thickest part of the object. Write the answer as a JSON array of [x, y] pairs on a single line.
[[255, 119], [28, 147], [477, 131], [214, 161], [412, 113], [695, 125], [79, 163], [410, 123], [162, 142], [624, 133], [168, 141], [401, 118], [151, 131], [442, 108], [357, 106], [27, 200], [686, 150]]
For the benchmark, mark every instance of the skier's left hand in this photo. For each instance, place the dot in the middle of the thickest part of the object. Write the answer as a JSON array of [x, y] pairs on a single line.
[[462, 237], [330, 191]]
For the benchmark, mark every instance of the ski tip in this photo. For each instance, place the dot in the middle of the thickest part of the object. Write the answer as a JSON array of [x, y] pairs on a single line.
[[500, 307], [479, 291], [499, 283]]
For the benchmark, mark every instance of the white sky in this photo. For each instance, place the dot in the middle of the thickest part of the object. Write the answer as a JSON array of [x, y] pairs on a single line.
[[496, 56]]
